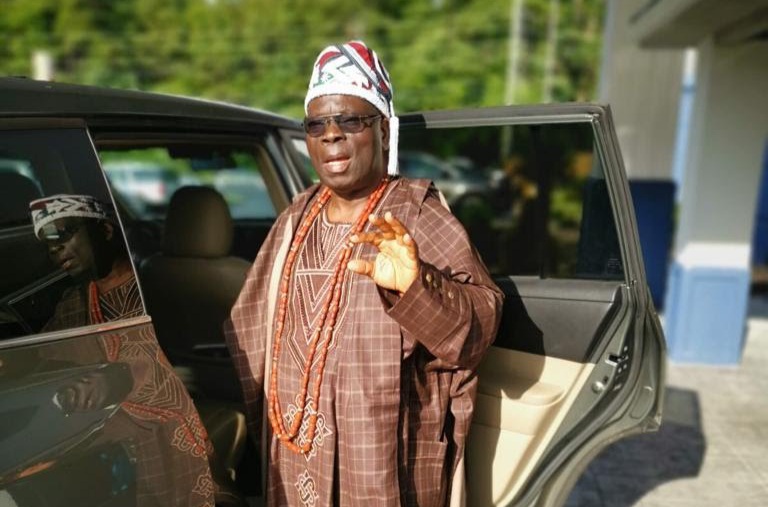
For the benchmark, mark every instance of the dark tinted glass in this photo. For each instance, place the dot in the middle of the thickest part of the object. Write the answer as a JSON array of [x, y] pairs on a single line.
[[45, 278], [532, 197], [97, 418]]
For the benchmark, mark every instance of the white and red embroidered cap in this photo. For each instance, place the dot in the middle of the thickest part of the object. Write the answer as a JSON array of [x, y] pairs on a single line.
[[44, 211], [354, 69]]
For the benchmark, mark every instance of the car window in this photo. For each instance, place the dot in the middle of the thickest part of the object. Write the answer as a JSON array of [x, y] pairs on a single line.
[[59, 236], [422, 165], [300, 145], [532, 197], [146, 177]]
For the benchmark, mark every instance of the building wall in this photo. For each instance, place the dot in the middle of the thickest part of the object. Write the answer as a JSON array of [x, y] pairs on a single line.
[[720, 149], [729, 129], [643, 89]]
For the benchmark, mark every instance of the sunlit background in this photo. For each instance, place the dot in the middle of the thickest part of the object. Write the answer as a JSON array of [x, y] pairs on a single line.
[[440, 53]]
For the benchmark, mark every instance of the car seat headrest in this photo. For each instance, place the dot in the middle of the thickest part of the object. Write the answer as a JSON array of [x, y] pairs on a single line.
[[198, 224]]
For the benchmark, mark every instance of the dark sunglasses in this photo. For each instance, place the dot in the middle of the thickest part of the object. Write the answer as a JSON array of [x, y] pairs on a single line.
[[58, 235], [348, 123]]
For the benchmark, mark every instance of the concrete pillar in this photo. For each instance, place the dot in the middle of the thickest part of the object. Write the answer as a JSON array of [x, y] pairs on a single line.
[[709, 281]]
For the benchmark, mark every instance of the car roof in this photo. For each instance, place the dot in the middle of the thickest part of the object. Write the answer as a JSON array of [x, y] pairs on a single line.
[[21, 97]]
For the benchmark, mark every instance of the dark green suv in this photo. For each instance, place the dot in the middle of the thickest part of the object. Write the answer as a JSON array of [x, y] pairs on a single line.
[[140, 406]]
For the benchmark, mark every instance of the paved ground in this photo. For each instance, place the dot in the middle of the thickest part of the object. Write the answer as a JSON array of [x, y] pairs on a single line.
[[712, 449]]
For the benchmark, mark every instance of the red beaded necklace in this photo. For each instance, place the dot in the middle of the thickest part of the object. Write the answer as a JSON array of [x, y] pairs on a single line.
[[94, 308], [323, 331]]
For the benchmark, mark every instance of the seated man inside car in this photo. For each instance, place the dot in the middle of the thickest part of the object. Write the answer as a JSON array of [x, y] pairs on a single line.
[[127, 377], [82, 239]]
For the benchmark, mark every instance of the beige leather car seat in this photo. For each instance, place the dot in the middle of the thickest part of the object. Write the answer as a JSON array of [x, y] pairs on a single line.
[[190, 287]]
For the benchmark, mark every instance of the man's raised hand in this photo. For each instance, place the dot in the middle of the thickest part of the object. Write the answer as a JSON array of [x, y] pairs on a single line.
[[397, 263]]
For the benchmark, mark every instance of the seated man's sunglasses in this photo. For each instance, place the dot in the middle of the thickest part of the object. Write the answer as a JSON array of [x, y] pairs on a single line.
[[58, 235], [348, 123]]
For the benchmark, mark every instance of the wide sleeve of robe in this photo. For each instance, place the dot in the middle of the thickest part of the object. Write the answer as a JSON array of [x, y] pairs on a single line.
[[448, 318]]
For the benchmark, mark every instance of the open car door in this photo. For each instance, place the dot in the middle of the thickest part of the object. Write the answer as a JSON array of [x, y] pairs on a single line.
[[579, 359]]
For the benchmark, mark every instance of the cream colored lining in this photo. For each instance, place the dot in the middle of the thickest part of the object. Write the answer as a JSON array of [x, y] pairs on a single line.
[[522, 400]]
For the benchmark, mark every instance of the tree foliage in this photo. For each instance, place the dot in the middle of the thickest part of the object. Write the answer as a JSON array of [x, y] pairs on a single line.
[[440, 53]]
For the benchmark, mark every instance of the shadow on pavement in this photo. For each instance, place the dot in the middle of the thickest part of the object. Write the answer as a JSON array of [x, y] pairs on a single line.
[[624, 472]]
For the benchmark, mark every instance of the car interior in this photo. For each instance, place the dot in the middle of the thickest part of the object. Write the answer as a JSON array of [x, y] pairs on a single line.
[[191, 285], [192, 252]]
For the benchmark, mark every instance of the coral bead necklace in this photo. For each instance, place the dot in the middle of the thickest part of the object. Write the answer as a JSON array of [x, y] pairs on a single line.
[[94, 307], [321, 336]]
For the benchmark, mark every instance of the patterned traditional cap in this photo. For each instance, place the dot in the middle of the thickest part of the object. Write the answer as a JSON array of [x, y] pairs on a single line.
[[354, 69], [44, 211]]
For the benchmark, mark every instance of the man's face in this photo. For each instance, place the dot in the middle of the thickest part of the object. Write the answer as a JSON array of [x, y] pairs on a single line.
[[72, 245], [350, 164]]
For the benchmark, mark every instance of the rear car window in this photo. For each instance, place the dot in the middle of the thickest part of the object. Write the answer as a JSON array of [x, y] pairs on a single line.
[[46, 265], [146, 176], [533, 198]]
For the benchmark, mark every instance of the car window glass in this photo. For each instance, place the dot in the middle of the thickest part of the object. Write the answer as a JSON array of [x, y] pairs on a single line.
[[532, 197], [68, 267], [146, 177], [422, 165], [300, 145]]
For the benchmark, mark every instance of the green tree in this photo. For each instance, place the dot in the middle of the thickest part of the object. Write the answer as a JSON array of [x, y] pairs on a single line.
[[440, 53]]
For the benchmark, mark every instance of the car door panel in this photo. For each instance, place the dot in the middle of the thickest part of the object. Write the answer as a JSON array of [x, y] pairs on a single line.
[[88, 408], [557, 318], [103, 455], [574, 365], [549, 329], [518, 415]]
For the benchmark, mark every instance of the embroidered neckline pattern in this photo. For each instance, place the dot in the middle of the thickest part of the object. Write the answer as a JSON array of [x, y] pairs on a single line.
[[321, 336]]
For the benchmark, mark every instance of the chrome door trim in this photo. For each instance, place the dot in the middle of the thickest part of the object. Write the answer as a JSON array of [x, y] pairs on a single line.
[[54, 336]]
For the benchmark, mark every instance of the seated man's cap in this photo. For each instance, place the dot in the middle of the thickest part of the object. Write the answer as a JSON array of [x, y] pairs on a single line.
[[44, 211]]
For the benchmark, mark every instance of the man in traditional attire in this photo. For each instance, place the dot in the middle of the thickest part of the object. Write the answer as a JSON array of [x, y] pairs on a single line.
[[361, 324], [80, 235]]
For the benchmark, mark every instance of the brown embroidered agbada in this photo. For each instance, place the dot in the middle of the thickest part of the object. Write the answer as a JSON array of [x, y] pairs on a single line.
[[399, 383]]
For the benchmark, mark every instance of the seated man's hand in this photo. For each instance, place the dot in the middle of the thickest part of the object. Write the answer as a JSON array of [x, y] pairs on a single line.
[[96, 390]]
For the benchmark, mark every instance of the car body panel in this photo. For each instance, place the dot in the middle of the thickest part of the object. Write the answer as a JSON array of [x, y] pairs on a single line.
[[98, 456], [144, 443], [26, 98]]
